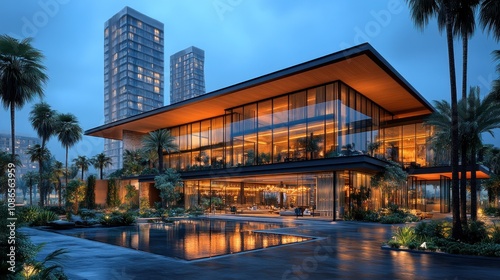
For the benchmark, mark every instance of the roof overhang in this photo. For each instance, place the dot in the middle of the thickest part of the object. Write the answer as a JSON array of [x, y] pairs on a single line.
[[435, 173], [361, 67]]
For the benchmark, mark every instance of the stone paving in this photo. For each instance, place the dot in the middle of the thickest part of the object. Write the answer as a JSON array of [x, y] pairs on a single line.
[[342, 250]]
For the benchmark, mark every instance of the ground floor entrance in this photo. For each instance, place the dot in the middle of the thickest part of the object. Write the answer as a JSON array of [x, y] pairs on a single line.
[[328, 194]]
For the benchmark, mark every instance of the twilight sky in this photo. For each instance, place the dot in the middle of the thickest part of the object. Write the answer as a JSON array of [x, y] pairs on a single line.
[[242, 39]]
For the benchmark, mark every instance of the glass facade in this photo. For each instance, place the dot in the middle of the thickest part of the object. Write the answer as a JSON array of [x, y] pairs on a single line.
[[331, 120], [321, 123], [133, 70]]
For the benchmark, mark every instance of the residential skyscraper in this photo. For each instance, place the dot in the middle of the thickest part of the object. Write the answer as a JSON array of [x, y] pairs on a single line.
[[187, 75], [22, 145], [133, 71]]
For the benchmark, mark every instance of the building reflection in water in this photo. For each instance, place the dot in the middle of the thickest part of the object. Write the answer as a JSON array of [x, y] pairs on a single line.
[[193, 239]]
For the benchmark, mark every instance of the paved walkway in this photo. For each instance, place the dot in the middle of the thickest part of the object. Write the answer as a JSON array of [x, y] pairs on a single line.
[[343, 250]]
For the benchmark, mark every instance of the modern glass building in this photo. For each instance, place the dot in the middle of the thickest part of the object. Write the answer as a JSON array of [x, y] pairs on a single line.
[[311, 135], [187, 75], [133, 70]]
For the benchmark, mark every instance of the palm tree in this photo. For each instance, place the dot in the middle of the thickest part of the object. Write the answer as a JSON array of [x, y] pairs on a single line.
[[37, 154], [42, 119], [159, 141], [477, 117], [21, 77], [30, 178], [489, 16], [83, 163], [69, 133], [422, 11], [133, 162], [463, 26], [482, 116], [101, 161]]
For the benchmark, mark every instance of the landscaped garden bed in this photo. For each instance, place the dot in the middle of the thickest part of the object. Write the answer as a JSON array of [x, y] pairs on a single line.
[[479, 239]]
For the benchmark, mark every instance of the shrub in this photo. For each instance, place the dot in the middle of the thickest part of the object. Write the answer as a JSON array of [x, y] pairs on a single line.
[[28, 214], [87, 214], [491, 211], [404, 235], [44, 217], [475, 232], [36, 216], [117, 219], [393, 243], [495, 234], [431, 229]]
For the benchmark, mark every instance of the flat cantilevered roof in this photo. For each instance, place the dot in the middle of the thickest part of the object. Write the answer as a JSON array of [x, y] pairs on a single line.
[[361, 67]]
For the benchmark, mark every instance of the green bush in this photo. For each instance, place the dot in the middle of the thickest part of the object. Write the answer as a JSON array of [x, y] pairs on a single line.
[[36, 216], [87, 214], [495, 234], [475, 232], [432, 229], [491, 211], [404, 235], [394, 243], [117, 219], [414, 245], [44, 217], [28, 214]]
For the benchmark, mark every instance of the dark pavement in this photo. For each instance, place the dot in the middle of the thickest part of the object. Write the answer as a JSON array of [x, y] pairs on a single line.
[[342, 250]]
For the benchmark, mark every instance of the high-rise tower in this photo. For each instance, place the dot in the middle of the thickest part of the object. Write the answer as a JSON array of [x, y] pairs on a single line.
[[133, 70], [187, 75]]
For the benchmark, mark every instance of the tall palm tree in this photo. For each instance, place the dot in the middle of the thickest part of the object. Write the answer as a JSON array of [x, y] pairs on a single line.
[[481, 116], [69, 133], [30, 178], [101, 161], [159, 141], [22, 76], [422, 11], [42, 119], [83, 163], [464, 25], [37, 154]]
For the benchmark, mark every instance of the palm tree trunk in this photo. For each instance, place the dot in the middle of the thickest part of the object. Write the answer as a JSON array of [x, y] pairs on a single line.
[[473, 186], [60, 189], [463, 183], [100, 171], [40, 169], [31, 194], [457, 231], [66, 173], [13, 140], [160, 160], [13, 131]]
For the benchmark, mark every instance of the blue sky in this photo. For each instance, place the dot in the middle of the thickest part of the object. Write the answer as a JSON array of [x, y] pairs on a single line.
[[242, 39]]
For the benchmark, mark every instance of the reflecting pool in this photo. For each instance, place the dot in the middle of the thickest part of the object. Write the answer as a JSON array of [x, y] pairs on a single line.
[[190, 239]]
